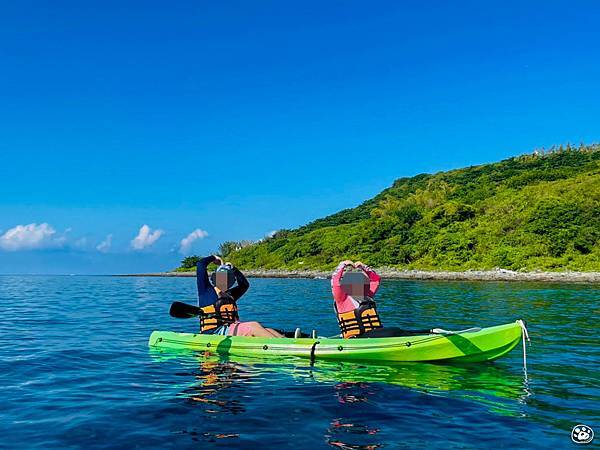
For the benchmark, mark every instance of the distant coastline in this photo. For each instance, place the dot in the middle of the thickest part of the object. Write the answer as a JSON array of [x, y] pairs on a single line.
[[469, 275]]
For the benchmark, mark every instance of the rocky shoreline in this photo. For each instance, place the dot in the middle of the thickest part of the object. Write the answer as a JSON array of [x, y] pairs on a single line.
[[469, 275]]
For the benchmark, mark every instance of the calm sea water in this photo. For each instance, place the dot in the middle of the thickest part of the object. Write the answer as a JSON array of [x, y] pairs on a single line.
[[77, 371]]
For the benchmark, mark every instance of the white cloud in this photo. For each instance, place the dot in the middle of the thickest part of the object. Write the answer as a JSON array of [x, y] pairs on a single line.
[[31, 237], [145, 238], [104, 246], [186, 243]]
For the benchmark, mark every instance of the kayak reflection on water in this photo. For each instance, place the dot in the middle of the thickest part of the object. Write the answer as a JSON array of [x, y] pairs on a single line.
[[231, 389], [212, 377], [496, 387]]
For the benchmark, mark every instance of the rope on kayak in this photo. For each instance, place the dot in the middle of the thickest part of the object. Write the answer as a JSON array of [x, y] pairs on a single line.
[[432, 337], [525, 335], [312, 352], [442, 331], [435, 334]]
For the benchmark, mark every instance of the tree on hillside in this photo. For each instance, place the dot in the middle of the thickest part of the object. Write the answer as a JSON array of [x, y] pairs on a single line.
[[228, 247], [189, 262], [536, 211]]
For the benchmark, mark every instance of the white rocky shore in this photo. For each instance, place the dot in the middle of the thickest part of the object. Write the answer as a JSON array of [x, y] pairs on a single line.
[[389, 273]]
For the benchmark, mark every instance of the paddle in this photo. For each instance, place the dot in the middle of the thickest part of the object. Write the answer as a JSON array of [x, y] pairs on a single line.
[[181, 310]]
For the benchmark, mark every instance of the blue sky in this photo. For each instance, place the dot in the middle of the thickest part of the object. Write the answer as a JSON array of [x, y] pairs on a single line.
[[239, 118]]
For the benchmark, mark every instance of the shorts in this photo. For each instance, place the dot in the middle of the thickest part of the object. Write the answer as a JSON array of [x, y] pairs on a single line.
[[234, 329], [222, 330], [240, 329]]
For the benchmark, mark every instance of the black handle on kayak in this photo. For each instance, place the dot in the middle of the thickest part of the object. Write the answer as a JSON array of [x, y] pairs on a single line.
[[181, 310]]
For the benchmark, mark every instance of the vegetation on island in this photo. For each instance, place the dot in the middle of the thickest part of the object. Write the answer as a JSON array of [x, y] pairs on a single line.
[[538, 211]]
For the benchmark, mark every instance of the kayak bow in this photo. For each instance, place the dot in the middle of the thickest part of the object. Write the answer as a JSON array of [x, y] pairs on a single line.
[[486, 344]]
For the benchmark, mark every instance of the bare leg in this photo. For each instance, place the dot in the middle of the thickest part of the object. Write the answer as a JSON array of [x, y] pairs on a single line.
[[254, 329], [274, 333]]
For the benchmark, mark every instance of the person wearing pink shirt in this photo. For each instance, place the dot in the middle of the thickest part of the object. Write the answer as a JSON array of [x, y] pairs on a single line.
[[353, 291], [354, 286]]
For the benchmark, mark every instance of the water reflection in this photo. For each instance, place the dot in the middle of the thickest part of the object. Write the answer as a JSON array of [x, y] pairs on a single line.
[[340, 431], [502, 391], [347, 433], [498, 389], [352, 392], [360, 387], [212, 377]]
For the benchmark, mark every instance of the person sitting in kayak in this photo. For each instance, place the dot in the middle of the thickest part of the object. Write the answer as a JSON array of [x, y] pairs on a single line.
[[217, 298], [353, 293]]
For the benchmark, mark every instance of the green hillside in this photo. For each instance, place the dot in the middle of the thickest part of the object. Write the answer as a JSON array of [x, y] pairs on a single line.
[[536, 211]]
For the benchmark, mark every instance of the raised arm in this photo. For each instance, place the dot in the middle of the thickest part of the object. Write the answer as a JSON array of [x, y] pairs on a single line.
[[374, 278], [242, 284], [336, 288], [206, 293]]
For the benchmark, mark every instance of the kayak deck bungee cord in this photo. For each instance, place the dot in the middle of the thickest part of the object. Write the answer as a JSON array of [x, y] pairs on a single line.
[[472, 345]]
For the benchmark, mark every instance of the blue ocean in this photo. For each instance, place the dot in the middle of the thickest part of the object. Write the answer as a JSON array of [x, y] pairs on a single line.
[[77, 371]]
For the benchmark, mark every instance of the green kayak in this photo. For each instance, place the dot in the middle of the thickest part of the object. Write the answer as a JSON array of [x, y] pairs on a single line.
[[485, 344]]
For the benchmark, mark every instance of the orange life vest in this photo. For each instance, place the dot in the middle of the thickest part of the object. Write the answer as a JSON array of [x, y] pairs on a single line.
[[360, 320], [223, 312]]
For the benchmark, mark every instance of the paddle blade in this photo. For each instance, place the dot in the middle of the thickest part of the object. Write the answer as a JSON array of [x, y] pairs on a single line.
[[181, 310]]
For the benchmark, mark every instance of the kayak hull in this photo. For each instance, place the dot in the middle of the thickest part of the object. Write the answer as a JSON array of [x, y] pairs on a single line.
[[484, 345]]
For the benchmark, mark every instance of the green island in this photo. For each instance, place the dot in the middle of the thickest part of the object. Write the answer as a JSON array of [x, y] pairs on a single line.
[[534, 212]]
